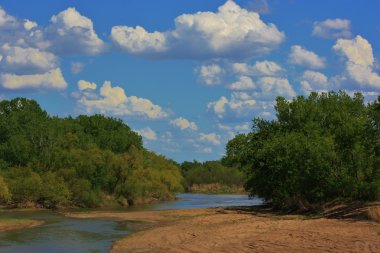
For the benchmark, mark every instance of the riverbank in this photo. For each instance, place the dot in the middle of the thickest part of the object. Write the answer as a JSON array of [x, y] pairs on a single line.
[[239, 230], [217, 189], [17, 224]]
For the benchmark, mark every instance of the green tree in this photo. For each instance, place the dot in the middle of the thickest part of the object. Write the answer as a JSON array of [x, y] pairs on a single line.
[[320, 148], [5, 195]]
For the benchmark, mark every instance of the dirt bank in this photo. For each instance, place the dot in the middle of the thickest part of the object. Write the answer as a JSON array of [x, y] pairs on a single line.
[[17, 224], [220, 230]]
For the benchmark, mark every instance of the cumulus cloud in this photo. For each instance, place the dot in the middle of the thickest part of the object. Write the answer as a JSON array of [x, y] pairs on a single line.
[[332, 28], [243, 104], [211, 138], [360, 61], [231, 32], [49, 80], [72, 33], [183, 124], [26, 60], [84, 85], [232, 108], [260, 68], [303, 57], [211, 74], [271, 87], [138, 40], [114, 101], [29, 52], [244, 83], [68, 33], [5, 19], [147, 133], [29, 25], [313, 81]]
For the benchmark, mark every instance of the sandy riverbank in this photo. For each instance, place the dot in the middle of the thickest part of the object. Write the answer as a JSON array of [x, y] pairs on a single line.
[[17, 224], [220, 230]]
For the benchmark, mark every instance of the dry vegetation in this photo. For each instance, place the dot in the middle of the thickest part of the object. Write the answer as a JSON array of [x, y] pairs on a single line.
[[373, 213]]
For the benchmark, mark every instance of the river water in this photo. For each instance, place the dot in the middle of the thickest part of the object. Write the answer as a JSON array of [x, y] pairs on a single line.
[[61, 234]]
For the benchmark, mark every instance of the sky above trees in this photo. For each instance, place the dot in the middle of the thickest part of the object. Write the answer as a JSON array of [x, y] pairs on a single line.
[[187, 75]]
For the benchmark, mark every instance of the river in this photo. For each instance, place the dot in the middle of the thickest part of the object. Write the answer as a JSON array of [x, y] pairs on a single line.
[[61, 234]]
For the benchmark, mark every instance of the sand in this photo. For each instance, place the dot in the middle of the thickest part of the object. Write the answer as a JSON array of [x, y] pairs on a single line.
[[220, 230], [17, 224]]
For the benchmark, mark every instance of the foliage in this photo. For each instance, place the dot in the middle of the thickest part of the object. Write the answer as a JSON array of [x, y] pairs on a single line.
[[210, 172], [320, 148], [53, 162], [5, 195]]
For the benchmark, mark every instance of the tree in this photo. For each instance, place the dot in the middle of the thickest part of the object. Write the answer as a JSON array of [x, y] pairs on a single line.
[[53, 162], [320, 148], [5, 195]]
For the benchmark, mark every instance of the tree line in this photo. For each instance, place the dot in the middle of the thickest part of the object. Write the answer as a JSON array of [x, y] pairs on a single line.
[[86, 161], [211, 177]]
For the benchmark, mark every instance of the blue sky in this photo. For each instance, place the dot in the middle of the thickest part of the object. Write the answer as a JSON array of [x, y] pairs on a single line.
[[187, 75]]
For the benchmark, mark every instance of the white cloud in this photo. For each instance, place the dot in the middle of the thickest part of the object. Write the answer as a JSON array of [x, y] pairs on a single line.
[[211, 138], [29, 25], [243, 105], [313, 81], [219, 106], [360, 61], [26, 60], [49, 80], [113, 100], [271, 87], [183, 124], [5, 19], [68, 33], [138, 40], [84, 85], [261, 68], [333, 28], [147, 133], [211, 74], [77, 67], [244, 83], [234, 108], [72, 33], [231, 32], [303, 57]]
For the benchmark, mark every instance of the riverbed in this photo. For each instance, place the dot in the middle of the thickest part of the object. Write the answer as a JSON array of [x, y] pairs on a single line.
[[63, 234]]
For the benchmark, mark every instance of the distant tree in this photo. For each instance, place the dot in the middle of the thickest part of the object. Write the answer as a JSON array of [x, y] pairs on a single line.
[[210, 172]]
